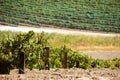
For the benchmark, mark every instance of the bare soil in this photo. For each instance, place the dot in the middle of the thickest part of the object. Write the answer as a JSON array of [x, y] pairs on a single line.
[[52, 29], [64, 74], [103, 54]]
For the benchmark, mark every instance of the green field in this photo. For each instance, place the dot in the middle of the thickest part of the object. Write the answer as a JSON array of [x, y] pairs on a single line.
[[100, 15]]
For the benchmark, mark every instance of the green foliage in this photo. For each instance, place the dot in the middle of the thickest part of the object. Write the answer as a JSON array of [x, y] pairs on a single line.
[[33, 46], [80, 14], [24, 43]]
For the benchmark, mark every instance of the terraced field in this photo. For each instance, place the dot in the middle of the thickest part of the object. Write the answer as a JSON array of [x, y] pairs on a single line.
[[100, 15]]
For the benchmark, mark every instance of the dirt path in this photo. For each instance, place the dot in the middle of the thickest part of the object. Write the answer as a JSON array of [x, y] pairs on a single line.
[[55, 30], [103, 54]]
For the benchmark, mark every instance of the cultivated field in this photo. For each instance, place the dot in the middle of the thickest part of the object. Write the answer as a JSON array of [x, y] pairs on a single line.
[[80, 14]]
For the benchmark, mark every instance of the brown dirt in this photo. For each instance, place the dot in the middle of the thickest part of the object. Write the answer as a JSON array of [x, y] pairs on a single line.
[[62, 30], [103, 54], [64, 74]]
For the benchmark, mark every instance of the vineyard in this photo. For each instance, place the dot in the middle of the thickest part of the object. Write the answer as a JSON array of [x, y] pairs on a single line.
[[98, 15], [33, 46]]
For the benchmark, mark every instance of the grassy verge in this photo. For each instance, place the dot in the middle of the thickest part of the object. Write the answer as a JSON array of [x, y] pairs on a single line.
[[86, 43], [80, 14], [78, 42]]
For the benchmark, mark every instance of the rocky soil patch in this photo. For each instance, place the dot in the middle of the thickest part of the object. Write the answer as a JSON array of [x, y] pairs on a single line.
[[64, 74]]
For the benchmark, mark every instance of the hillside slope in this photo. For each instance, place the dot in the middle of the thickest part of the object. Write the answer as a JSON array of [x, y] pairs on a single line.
[[100, 15]]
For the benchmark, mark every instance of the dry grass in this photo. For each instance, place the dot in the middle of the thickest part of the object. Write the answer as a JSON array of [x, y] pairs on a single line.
[[96, 48], [85, 43], [78, 42]]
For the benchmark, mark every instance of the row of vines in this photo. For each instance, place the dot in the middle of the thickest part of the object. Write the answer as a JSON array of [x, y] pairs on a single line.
[[33, 45], [80, 14]]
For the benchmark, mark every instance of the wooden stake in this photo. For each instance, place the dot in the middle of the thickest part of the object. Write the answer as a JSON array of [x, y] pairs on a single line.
[[47, 56], [21, 63], [65, 59]]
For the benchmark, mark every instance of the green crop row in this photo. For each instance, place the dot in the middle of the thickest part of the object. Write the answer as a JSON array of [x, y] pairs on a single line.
[[70, 13], [33, 46]]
